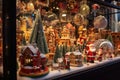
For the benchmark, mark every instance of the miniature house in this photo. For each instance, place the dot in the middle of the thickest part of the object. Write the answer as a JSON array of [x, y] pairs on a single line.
[[65, 38], [32, 61], [50, 57], [75, 58]]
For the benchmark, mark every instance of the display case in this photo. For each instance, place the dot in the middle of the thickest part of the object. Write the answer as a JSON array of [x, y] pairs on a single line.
[[57, 39]]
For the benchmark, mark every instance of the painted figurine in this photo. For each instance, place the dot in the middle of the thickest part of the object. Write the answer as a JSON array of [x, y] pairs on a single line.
[[91, 53]]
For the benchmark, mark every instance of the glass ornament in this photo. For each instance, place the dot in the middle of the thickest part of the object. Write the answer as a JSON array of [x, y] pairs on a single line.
[[104, 43], [84, 9], [100, 22], [50, 18], [78, 19], [30, 7]]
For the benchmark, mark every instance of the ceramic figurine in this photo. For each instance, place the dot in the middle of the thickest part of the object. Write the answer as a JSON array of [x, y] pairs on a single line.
[[91, 53]]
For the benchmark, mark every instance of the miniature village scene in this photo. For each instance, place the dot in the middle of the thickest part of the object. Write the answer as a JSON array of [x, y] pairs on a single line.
[[62, 37]]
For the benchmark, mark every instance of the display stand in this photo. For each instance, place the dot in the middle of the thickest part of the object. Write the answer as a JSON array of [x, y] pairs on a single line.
[[65, 74]]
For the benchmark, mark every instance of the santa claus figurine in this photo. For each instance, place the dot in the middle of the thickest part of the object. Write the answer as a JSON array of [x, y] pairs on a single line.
[[91, 53]]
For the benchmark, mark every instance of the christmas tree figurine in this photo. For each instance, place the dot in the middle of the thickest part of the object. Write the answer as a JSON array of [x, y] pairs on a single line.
[[64, 49], [109, 37], [38, 35], [57, 54]]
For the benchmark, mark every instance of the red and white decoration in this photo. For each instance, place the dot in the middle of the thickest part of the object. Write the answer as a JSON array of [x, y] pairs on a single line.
[[32, 62]]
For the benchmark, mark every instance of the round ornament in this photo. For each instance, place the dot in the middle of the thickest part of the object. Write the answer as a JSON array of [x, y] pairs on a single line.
[[84, 9], [100, 22], [78, 19], [30, 6], [95, 6], [50, 18]]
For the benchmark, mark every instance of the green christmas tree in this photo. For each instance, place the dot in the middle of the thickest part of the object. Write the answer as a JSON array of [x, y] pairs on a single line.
[[57, 54], [71, 48], [64, 50], [109, 37], [38, 35], [68, 49], [34, 32], [61, 48], [84, 45]]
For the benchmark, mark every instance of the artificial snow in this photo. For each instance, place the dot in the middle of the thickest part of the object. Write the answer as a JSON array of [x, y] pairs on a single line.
[[32, 48], [59, 73]]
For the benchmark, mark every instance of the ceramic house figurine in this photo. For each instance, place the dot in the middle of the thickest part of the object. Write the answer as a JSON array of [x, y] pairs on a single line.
[[32, 62], [65, 35], [75, 58]]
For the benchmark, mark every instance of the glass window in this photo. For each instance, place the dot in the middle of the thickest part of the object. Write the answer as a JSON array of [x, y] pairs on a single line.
[[89, 32], [1, 43]]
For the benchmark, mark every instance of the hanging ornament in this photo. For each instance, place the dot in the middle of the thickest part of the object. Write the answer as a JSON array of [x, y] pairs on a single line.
[[78, 19], [63, 16], [100, 22], [84, 8], [30, 7], [95, 6], [50, 18]]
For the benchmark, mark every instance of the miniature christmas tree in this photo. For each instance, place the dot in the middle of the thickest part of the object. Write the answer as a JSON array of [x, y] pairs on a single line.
[[71, 48], [61, 49], [57, 54], [38, 35], [109, 37], [64, 50], [34, 32], [84, 45], [68, 49]]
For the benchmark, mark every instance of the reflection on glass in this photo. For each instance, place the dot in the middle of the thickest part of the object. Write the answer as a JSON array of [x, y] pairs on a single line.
[[1, 58]]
